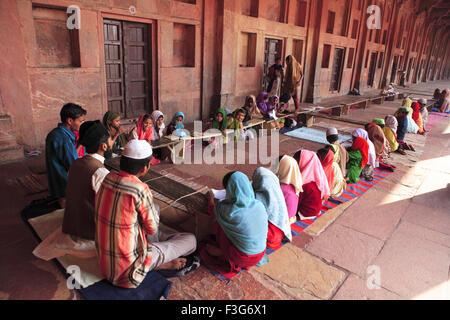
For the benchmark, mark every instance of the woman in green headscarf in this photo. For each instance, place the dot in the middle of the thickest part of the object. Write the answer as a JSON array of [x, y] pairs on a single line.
[[111, 121], [220, 122]]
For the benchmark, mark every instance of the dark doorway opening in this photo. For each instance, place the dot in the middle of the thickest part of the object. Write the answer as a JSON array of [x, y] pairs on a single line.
[[336, 70]]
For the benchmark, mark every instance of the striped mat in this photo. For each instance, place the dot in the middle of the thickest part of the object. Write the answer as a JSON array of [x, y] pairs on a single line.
[[351, 191]]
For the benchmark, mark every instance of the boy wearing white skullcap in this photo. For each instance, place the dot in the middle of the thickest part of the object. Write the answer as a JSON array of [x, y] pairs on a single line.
[[128, 241], [340, 153]]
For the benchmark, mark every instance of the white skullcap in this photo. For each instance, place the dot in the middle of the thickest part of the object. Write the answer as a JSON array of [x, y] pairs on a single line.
[[137, 149], [331, 131], [422, 101]]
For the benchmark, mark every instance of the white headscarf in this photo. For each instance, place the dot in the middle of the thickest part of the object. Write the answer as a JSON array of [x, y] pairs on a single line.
[[391, 122], [372, 155], [155, 115]]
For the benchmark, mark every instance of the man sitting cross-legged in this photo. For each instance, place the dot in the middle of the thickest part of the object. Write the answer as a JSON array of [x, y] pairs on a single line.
[[85, 177], [77, 233], [127, 238]]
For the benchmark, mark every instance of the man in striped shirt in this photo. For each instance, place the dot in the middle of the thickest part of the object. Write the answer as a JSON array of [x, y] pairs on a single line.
[[127, 238]]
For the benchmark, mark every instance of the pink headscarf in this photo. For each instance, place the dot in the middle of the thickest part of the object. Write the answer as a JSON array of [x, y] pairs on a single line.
[[312, 171]]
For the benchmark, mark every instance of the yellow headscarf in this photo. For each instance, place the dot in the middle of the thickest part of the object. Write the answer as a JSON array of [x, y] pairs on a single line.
[[289, 173]]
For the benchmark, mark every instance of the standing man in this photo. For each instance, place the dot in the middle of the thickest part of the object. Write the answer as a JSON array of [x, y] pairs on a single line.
[[61, 151], [276, 70]]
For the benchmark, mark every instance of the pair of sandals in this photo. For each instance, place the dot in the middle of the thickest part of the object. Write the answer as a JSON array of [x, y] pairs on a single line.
[[192, 264]]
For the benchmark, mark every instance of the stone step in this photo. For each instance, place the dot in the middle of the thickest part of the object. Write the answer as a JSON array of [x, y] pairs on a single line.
[[9, 149], [5, 124], [11, 154], [7, 141]]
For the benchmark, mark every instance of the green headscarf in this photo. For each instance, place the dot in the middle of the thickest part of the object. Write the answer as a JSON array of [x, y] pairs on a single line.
[[215, 123], [107, 120], [378, 121]]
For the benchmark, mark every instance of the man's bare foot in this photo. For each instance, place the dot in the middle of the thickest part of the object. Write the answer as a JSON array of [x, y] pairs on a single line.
[[175, 264]]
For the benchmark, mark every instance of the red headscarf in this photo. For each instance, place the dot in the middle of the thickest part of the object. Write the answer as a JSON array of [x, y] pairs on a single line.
[[327, 164], [363, 147], [148, 134], [416, 111]]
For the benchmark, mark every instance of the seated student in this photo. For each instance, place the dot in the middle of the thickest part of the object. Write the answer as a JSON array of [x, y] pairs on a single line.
[[176, 123], [158, 124], [251, 109], [417, 116], [85, 177], [60, 149], [111, 121], [220, 122], [267, 190], [402, 119], [128, 240], [291, 184], [373, 162], [237, 124], [437, 94], [445, 101], [80, 148], [423, 111], [411, 124], [262, 101], [376, 136], [390, 132], [75, 236], [239, 236], [358, 159], [340, 153], [315, 184], [144, 129], [336, 180], [284, 103]]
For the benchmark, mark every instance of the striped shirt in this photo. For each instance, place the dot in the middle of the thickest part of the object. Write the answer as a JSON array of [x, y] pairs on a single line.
[[124, 215]]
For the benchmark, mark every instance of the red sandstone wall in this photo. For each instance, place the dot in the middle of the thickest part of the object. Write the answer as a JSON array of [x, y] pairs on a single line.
[[36, 75]]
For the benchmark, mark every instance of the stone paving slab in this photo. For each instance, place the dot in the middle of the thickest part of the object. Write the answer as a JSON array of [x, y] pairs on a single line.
[[302, 272], [346, 248], [328, 218], [411, 265], [355, 288], [434, 191], [203, 285], [376, 214]]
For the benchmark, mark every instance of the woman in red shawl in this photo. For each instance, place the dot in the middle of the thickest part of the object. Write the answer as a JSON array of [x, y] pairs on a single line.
[[417, 116], [326, 157], [145, 130], [358, 158]]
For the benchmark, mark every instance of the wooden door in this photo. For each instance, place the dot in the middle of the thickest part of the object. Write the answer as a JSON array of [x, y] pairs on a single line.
[[336, 70], [128, 67], [273, 48], [372, 69], [114, 66], [394, 69]]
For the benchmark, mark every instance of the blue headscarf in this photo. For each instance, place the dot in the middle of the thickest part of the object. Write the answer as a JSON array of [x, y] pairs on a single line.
[[242, 217], [268, 191], [178, 125]]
